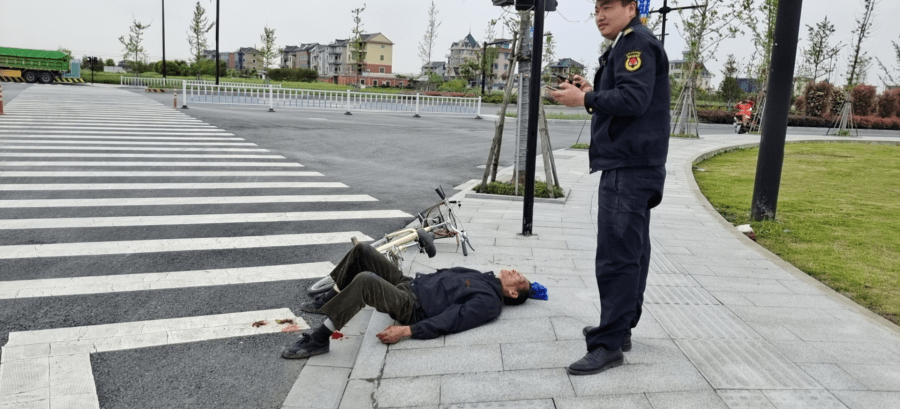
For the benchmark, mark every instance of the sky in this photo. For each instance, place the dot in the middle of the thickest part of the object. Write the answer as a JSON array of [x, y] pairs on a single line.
[[93, 27]]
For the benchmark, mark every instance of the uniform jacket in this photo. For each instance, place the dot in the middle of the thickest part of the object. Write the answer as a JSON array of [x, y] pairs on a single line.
[[630, 103], [454, 300]]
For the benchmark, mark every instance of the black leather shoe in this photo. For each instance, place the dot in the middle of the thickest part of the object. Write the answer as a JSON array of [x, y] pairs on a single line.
[[305, 348], [315, 306], [597, 361], [626, 342]]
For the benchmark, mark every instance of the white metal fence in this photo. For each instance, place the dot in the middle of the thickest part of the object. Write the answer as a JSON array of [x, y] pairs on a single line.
[[171, 82], [348, 101]]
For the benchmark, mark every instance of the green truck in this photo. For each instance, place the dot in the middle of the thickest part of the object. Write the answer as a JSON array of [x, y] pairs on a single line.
[[34, 65]]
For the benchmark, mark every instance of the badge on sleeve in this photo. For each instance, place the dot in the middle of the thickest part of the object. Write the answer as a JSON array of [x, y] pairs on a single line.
[[633, 61]]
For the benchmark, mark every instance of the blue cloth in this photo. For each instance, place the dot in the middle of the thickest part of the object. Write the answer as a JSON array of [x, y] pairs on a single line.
[[538, 291]]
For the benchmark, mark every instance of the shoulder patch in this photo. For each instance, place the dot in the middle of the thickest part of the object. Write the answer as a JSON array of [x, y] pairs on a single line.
[[627, 31], [633, 60]]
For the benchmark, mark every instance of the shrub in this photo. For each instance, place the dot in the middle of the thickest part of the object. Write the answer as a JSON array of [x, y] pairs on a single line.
[[509, 189], [293, 74], [800, 104], [806, 120], [863, 99], [839, 96], [714, 116], [457, 85], [497, 98], [887, 104], [819, 98], [874, 122]]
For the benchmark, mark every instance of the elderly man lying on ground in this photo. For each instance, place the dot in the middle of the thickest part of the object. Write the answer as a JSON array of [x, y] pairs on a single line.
[[448, 301]]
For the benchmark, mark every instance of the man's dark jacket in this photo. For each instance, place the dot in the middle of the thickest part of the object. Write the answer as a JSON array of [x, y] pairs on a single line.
[[454, 300], [630, 103]]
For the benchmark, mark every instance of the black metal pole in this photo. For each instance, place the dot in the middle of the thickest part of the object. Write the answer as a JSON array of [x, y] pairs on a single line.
[[774, 130], [217, 42], [164, 36], [663, 39], [534, 99], [483, 53]]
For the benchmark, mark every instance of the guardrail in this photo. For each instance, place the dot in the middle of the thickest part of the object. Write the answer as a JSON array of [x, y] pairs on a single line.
[[175, 83], [348, 101]]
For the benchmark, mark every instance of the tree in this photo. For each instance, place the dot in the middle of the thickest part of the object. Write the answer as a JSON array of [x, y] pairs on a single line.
[[759, 19], [859, 59], [469, 69], [133, 47], [549, 54], [110, 62], [427, 44], [729, 90], [268, 52], [819, 52], [890, 77], [197, 32], [67, 51], [357, 45]]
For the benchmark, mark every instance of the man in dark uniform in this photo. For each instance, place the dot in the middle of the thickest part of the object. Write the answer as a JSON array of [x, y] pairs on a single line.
[[448, 301], [629, 103]]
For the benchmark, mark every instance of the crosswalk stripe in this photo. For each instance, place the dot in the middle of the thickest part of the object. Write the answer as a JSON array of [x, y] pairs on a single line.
[[153, 132], [92, 112], [125, 148], [169, 186], [18, 123], [87, 119], [147, 127], [178, 220], [133, 155], [108, 142], [179, 201], [118, 174], [169, 245], [55, 287], [155, 164], [151, 138]]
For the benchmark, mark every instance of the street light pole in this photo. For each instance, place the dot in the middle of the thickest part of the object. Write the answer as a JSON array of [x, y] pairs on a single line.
[[665, 10], [217, 42], [534, 100], [164, 36]]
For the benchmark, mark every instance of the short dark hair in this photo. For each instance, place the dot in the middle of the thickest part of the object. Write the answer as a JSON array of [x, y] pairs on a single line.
[[624, 2], [524, 294]]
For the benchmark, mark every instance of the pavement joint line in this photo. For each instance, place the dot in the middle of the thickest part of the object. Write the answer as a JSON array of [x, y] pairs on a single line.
[[133, 155], [117, 174], [196, 219], [169, 186], [127, 148], [54, 287], [153, 164], [170, 245], [63, 373]]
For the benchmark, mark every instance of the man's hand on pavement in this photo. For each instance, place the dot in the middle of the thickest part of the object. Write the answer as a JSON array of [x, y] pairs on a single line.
[[393, 334], [569, 95]]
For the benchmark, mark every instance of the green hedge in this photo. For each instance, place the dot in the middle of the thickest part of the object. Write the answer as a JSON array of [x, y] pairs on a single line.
[[509, 189]]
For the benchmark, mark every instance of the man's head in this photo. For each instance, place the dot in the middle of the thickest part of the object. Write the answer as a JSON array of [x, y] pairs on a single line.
[[612, 16], [516, 288]]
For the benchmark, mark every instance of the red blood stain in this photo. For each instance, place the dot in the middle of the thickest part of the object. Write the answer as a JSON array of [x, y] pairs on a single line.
[[291, 328], [336, 335], [258, 324]]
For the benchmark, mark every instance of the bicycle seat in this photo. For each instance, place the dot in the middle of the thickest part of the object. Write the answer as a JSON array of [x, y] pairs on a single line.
[[426, 242]]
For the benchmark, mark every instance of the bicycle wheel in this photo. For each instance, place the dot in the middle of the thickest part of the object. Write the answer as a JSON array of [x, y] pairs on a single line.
[[321, 286]]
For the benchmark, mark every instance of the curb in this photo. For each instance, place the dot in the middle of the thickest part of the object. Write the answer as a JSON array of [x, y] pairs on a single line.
[[790, 268]]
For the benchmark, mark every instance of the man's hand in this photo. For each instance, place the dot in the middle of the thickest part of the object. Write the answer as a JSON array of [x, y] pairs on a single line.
[[393, 334], [584, 84], [569, 95]]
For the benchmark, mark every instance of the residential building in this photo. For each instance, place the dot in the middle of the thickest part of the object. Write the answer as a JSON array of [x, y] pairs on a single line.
[[748, 85], [248, 58], [678, 73], [437, 67], [460, 51], [228, 57], [502, 63], [377, 63], [566, 67]]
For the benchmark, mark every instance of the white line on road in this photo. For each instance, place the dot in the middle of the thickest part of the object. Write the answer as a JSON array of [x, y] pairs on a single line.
[[123, 174], [108, 142], [179, 220], [170, 245], [141, 138], [155, 164], [54, 287], [77, 123], [154, 132], [180, 201], [133, 155], [87, 118], [125, 148], [170, 186], [147, 127]]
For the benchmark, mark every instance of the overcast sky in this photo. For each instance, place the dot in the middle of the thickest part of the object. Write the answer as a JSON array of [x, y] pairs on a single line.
[[93, 27]]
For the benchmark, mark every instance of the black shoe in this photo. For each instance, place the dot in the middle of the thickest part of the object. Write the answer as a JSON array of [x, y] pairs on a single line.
[[626, 342], [305, 348], [315, 306], [597, 361]]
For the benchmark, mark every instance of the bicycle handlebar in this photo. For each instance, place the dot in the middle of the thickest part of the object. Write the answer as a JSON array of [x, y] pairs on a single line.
[[440, 193]]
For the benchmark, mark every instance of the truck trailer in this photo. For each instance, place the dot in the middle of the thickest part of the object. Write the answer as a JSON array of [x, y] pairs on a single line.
[[34, 65]]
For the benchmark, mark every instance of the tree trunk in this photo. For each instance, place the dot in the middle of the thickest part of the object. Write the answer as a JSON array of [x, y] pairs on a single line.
[[494, 154], [545, 150]]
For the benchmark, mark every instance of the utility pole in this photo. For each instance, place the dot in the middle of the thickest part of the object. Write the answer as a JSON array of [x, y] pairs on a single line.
[[665, 10], [774, 130], [217, 42], [164, 36]]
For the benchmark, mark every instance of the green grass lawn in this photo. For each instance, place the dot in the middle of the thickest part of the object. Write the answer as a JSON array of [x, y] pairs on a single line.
[[113, 78], [838, 215]]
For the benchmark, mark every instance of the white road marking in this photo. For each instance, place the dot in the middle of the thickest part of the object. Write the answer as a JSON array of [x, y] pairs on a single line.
[[155, 164], [169, 245], [169, 186], [87, 118], [55, 363], [125, 148], [133, 155], [54, 287], [181, 201], [180, 220], [118, 174], [104, 124], [152, 138], [155, 132], [106, 142]]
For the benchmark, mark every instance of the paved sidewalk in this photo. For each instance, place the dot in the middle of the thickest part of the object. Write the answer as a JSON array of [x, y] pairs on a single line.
[[726, 324]]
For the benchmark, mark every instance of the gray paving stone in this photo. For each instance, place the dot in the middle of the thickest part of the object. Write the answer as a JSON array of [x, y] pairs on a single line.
[[875, 377], [773, 332], [677, 280], [318, 387], [506, 385], [700, 322], [745, 399], [857, 353], [358, 394], [653, 351], [867, 399], [558, 305], [744, 285], [559, 280], [341, 353], [446, 360], [417, 343], [641, 378], [370, 357], [409, 392], [539, 355], [804, 399], [516, 404], [792, 300], [634, 401], [505, 331], [678, 296], [831, 376], [730, 298], [745, 364], [707, 399]]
